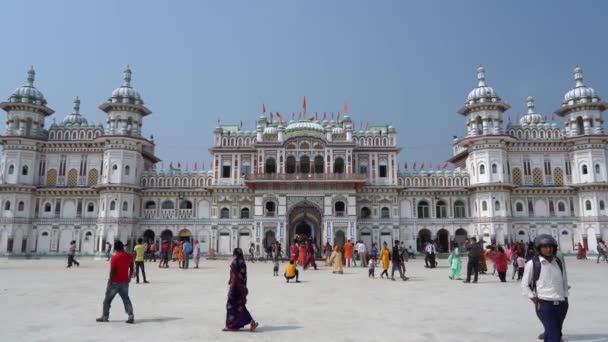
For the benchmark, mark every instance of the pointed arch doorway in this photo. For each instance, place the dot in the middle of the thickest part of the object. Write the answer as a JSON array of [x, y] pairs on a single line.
[[305, 220]]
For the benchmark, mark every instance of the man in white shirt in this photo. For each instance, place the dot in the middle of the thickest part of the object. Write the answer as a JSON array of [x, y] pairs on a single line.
[[362, 250], [546, 284]]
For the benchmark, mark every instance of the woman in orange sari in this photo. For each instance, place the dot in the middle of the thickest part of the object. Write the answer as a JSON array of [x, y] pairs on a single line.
[[181, 254]]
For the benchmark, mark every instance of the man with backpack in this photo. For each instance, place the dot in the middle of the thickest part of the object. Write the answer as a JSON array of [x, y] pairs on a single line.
[[187, 251], [546, 284]]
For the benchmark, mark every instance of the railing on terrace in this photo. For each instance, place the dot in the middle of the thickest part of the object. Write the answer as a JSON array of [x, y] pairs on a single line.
[[299, 177], [184, 213]]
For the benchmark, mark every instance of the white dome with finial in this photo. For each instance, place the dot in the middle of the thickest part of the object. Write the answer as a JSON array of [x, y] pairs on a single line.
[[581, 93], [126, 93], [483, 92], [531, 118], [75, 118], [28, 93]]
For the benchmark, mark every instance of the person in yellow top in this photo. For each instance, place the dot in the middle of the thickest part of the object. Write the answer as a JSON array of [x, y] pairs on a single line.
[[140, 250], [385, 256], [291, 271]]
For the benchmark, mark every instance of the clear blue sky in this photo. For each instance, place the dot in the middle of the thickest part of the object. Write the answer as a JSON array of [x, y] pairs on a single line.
[[410, 64]]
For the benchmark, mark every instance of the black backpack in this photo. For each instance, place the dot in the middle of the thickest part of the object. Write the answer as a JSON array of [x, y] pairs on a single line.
[[536, 270]]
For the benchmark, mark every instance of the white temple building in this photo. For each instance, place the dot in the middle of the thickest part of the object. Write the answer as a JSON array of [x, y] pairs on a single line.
[[94, 183]]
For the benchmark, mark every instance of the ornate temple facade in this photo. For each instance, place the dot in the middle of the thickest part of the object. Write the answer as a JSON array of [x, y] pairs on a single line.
[[95, 183]]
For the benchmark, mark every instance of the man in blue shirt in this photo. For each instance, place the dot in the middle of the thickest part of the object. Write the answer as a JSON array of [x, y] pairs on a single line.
[[187, 250]]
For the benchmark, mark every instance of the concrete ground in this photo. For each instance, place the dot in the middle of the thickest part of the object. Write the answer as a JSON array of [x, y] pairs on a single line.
[[41, 300]]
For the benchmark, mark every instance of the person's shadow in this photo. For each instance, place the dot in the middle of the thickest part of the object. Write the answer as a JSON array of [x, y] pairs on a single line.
[[157, 319], [587, 337], [269, 328]]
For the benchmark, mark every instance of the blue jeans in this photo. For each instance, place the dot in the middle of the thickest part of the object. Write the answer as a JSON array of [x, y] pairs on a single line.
[[121, 289], [552, 316]]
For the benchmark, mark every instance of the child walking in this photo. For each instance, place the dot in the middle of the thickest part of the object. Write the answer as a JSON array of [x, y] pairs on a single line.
[[521, 264], [275, 267], [371, 269]]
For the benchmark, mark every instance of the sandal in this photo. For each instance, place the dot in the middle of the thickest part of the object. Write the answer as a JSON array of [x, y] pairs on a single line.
[[253, 325]]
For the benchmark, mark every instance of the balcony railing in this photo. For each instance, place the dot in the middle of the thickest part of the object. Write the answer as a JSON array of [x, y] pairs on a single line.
[[149, 213], [167, 213], [312, 177], [184, 213]]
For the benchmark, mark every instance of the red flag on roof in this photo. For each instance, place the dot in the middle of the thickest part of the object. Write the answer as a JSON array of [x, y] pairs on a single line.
[[241, 123], [405, 165], [271, 117], [316, 116], [263, 107], [345, 109], [293, 116], [431, 165], [195, 165], [304, 104], [445, 166], [280, 117], [422, 166], [324, 115], [311, 118], [366, 125], [414, 167]]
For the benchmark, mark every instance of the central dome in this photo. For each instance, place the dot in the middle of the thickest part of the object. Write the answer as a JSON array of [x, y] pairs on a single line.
[[483, 92], [75, 118], [304, 126]]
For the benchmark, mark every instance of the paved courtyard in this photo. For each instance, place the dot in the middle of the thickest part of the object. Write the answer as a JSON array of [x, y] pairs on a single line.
[[40, 300]]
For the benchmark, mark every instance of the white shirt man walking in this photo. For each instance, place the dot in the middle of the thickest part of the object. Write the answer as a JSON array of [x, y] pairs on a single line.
[[362, 250], [546, 284]]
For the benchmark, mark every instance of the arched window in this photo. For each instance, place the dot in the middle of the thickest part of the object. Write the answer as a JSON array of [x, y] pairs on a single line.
[[385, 212], [484, 206], [114, 167], [90, 207], [519, 207], [225, 213], [482, 169], [441, 209], [7, 205], [11, 169], [561, 206], [185, 204], [125, 206], [150, 205], [497, 205], [365, 212], [423, 209], [580, 127], [47, 207], [597, 169], [494, 168], [304, 164], [602, 205], [112, 205], [319, 164], [270, 208], [339, 208], [479, 125], [270, 166], [339, 165], [167, 204], [25, 169], [459, 210], [245, 213], [21, 206], [290, 164], [587, 205], [584, 169], [127, 170]]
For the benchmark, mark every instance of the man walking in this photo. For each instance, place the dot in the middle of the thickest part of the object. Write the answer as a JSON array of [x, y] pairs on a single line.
[[475, 251], [362, 250], [121, 272], [108, 251], [602, 251], [140, 250], [348, 253], [72, 255], [187, 252], [396, 261], [546, 284]]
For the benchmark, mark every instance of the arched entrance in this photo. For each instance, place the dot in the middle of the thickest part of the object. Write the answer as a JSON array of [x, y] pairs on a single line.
[[424, 236], [166, 235], [459, 237], [305, 222], [149, 236], [443, 241], [185, 235], [340, 239]]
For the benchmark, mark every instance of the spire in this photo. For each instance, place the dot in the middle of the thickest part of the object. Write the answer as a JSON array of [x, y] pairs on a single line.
[[31, 76], [127, 77], [77, 105], [578, 76], [481, 76], [530, 103]]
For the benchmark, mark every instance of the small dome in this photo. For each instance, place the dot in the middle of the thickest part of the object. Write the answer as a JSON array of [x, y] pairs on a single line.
[[580, 93], [483, 92], [28, 93], [126, 93], [270, 130], [304, 126], [531, 118], [75, 118]]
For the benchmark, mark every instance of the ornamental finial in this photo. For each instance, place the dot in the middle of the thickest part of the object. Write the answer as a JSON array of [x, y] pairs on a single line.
[[31, 76], [77, 105], [127, 77], [530, 104], [578, 76], [481, 76]]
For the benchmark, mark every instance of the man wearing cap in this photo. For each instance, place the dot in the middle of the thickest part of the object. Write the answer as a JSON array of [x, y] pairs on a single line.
[[546, 284]]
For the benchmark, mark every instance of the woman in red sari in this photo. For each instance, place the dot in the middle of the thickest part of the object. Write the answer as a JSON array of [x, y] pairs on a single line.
[[237, 315], [303, 256], [293, 252], [581, 252]]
